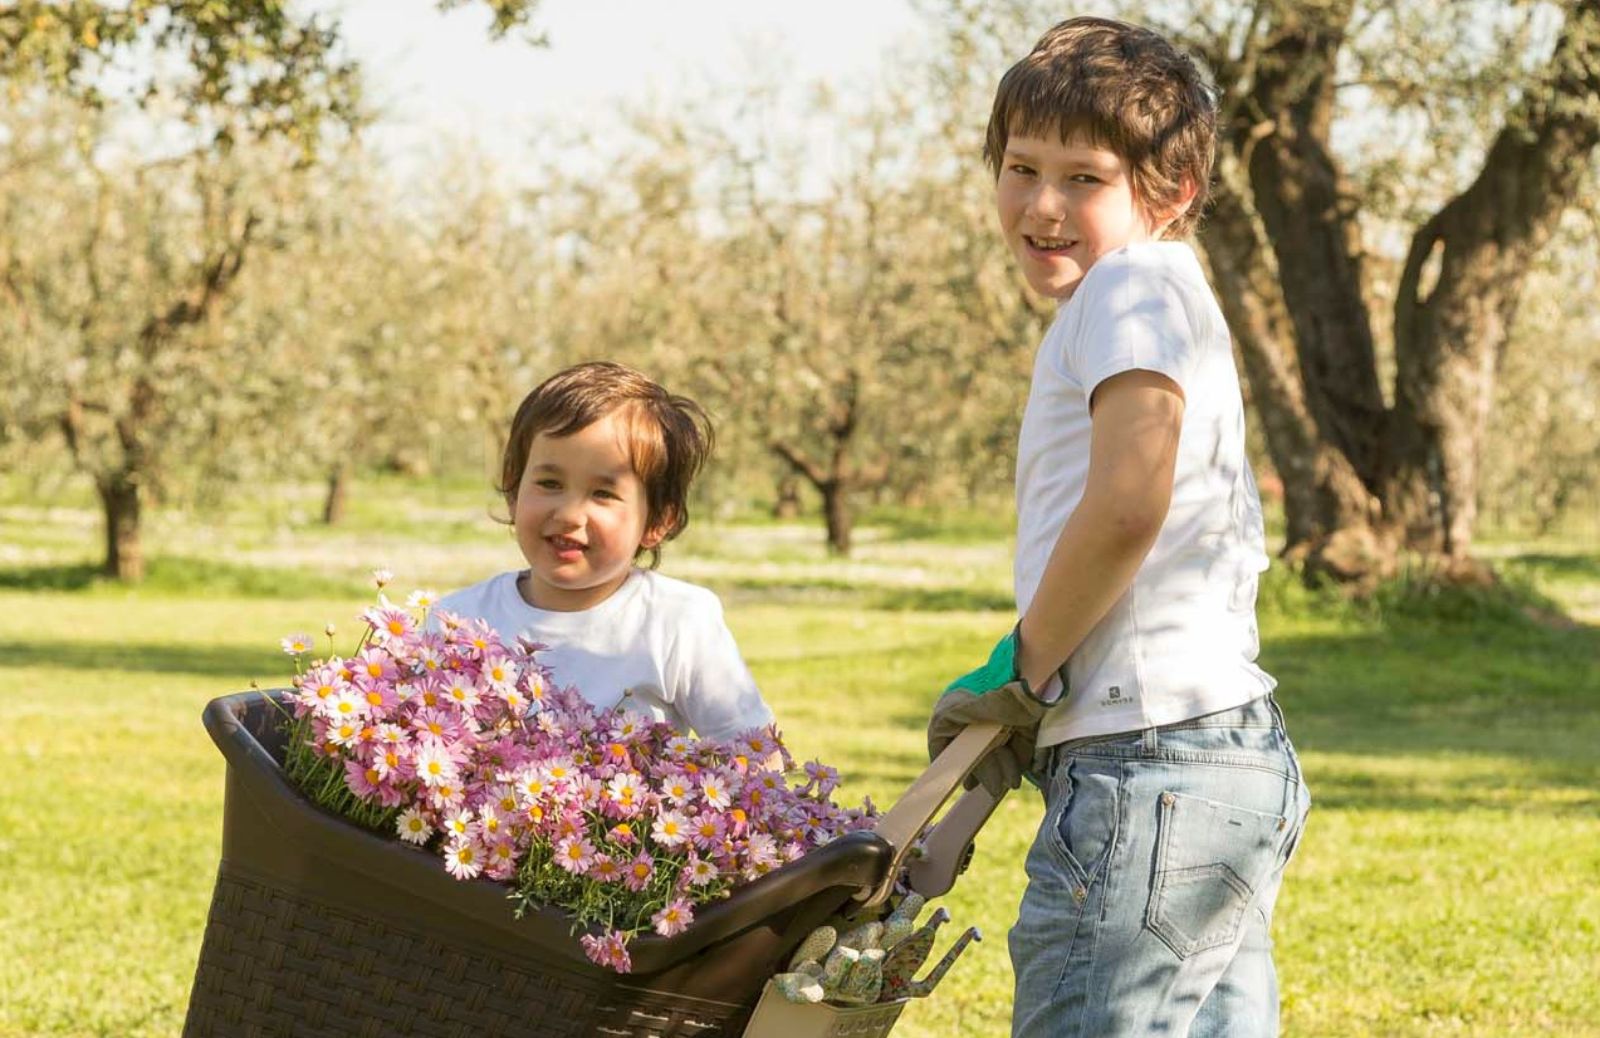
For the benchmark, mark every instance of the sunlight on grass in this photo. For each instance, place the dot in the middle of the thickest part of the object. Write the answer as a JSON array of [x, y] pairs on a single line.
[[1448, 884]]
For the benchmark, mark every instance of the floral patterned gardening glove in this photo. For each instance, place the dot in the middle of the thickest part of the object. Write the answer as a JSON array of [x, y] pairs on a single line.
[[994, 693]]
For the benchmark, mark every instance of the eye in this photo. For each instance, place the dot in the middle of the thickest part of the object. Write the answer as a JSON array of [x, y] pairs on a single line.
[[608, 495], [547, 483], [1085, 178], [1020, 170]]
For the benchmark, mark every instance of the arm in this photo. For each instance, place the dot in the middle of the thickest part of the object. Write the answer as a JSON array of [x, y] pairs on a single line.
[[715, 691], [1137, 416]]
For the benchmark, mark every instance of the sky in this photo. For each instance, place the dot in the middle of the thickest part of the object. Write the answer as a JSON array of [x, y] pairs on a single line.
[[437, 77]]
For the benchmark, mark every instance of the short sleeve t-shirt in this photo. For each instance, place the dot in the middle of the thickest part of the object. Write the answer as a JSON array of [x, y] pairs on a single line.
[[1182, 640], [661, 641]]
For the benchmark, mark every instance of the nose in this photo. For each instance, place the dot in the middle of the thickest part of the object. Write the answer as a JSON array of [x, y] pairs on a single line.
[[1048, 203], [568, 513]]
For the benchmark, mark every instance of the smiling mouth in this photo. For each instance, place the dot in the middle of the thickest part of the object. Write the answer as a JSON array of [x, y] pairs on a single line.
[[1049, 244], [565, 544]]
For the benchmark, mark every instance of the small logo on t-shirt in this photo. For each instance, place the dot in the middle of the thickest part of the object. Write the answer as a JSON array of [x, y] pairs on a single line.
[[1113, 696]]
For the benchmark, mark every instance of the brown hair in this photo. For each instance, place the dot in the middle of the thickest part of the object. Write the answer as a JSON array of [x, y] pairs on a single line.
[[669, 437], [1126, 88]]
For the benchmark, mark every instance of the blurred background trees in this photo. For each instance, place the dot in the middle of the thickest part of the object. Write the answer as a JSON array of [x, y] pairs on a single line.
[[244, 296]]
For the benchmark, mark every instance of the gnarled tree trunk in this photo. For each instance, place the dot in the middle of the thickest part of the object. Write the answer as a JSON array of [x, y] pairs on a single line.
[[1361, 480]]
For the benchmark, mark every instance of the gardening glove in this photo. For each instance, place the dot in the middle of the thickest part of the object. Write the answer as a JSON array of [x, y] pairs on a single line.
[[995, 693]]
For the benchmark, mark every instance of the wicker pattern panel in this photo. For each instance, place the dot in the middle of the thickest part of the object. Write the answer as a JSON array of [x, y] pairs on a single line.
[[274, 965]]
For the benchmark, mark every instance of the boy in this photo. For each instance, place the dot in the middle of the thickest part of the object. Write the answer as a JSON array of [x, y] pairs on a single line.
[[1173, 797]]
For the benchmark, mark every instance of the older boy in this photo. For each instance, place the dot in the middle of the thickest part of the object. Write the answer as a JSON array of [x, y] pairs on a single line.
[[1173, 797]]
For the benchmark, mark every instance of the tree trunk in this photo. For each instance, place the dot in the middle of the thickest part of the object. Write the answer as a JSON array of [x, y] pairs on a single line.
[[834, 484], [334, 504], [1308, 210], [120, 502], [1329, 512], [836, 507], [839, 480], [1459, 290], [1339, 450], [787, 506]]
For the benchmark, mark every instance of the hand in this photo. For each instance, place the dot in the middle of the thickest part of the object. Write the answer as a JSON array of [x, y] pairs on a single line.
[[1002, 769], [994, 693]]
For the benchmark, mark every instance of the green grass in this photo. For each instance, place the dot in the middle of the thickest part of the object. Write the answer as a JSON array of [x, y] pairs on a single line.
[[1448, 884]]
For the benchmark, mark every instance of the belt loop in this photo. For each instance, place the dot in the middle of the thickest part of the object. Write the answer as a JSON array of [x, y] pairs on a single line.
[[1151, 743]]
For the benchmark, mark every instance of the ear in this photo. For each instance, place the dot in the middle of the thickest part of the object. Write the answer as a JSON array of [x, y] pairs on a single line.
[[1186, 198], [653, 536]]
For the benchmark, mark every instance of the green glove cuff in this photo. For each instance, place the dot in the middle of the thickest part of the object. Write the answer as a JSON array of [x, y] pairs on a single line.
[[999, 671]]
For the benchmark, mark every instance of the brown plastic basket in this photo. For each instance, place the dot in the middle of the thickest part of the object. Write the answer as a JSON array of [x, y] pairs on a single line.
[[320, 928]]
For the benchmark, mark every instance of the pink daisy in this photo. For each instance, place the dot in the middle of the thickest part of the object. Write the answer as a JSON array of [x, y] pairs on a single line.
[[639, 871], [605, 869], [373, 665], [674, 918], [708, 830], [389, 623], [699, 871], [575, 854]]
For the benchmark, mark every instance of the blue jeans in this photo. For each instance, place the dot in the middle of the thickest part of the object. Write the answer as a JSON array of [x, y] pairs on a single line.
[[1152, 879]]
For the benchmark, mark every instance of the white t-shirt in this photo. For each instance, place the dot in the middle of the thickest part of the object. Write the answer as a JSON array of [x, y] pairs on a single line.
[[661, 639], [1182, 640]]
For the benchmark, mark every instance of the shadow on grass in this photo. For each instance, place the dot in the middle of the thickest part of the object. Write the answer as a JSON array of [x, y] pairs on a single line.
[[1583, 567], [50, 578], [221, 661], [199, 578]]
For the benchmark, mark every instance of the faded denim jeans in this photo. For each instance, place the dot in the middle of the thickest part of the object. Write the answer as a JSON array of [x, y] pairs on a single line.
[[1152, 879]]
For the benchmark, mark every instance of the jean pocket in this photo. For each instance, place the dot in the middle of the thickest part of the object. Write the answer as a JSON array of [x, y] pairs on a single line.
[[1085, 822], [1210, 859]]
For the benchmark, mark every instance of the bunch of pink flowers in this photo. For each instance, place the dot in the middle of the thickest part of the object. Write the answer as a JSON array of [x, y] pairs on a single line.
[[467, 747]]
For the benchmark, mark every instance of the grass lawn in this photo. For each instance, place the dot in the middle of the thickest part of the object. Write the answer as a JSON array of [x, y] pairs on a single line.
[[1448, 884]]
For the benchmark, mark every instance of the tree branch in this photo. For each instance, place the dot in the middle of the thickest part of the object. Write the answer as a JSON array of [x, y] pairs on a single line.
[[800, 462]]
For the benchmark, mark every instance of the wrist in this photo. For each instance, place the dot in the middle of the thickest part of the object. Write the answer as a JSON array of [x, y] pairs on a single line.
[[1038, 676]]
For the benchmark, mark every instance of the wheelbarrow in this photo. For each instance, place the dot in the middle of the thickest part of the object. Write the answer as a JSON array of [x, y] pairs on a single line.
[[318, 927]]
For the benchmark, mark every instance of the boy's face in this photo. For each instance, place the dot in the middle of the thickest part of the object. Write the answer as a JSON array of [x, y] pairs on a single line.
[[1063, 205], [580, 516]]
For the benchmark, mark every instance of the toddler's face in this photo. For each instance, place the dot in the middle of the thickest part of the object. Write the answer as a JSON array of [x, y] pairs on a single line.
[[580, 516], [1063, 205]]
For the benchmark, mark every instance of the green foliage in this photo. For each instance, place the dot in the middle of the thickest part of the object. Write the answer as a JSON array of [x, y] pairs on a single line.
[[322, 779], [252, 68]]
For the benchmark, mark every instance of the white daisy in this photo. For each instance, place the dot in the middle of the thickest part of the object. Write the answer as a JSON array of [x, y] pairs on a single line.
[[413, 827]]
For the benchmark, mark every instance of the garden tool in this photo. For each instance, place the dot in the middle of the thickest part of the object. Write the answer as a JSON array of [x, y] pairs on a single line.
[[865, 980], [837, 966], [799, 987], [910, 954], [815, 947], [924, 987], [867, 935], [902, 921]]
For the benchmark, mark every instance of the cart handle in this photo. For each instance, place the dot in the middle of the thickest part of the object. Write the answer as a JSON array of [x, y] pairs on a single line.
[[901, 824]]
